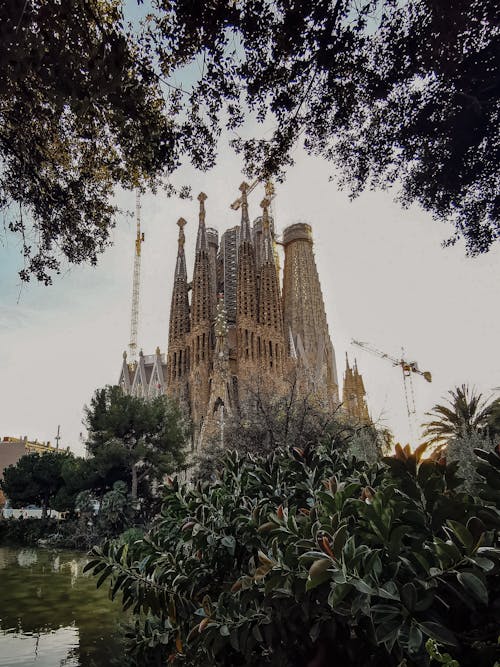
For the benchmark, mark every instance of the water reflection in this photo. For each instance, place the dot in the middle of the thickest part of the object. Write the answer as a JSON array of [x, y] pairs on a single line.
[[51, 614], [27, 557], [59, 647]]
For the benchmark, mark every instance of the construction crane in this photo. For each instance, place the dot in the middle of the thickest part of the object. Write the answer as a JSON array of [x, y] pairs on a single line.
[[136, 283], [270, 192], [270, 195], [408, 368]]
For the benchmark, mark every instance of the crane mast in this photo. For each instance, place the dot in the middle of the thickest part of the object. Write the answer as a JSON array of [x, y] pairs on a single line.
[[136, 282], [408, 368]]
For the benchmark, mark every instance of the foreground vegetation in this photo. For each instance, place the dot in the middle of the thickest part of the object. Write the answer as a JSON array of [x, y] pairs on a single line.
[[132, 443], [309, 557]]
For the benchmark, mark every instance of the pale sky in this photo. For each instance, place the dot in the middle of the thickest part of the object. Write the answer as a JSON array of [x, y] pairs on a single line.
[[385, 279]]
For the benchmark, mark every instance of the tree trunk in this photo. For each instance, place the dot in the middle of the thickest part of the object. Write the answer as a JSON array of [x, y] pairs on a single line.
[[45, 503], [134, 481]]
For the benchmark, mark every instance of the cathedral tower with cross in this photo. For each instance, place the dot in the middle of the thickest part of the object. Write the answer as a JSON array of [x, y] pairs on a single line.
[[241, 323]]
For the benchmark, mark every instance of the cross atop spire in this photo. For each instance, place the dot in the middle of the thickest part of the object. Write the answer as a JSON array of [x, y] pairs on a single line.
[[180, 267], [202, 198], [245, 220], [182, 239], [269, 189], [201, 241]]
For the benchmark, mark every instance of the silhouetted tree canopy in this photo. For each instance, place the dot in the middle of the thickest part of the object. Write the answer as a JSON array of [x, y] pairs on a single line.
[[465, 413], [388, 91], [81, 111]]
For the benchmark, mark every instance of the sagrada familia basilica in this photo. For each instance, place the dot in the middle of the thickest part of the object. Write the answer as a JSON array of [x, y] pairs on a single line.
[[236, 328]]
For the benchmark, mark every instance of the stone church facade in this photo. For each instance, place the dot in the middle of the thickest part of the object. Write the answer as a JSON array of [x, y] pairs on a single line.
[[236, 325]]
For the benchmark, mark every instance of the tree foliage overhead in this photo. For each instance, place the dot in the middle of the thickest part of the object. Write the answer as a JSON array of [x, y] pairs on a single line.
[[80, 112], [387, 90]]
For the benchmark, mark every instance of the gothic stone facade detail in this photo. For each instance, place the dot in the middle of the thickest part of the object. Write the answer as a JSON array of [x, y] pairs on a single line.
[[354, 395], [233, 325]]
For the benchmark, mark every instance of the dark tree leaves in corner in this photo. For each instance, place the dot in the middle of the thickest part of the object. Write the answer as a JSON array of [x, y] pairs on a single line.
[[387, 90], [80, 112]]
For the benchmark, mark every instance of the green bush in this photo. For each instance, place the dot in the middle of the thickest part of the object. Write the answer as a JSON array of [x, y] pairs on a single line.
[[26, 532], [310, 558]]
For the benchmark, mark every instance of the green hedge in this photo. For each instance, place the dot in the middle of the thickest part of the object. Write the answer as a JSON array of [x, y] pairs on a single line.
[[311, 559]]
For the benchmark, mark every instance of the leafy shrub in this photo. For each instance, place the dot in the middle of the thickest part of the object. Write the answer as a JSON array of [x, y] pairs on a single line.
[[309, 558], [26, 532], [116, 511], [461, 449]]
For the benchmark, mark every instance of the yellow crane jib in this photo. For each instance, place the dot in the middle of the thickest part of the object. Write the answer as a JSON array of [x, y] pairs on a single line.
[[408, 368]]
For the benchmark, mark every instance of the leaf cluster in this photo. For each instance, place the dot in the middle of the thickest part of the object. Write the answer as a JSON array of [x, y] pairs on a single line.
[[37, 479], [81, 111], [311, 558], [388, 91]]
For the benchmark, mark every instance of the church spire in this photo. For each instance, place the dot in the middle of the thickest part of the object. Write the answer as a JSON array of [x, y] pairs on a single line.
[[304, 312], [201, 338], [246, 292], [270, 312], [180, 267], [177, 358], [271, 340], [354, 394], [201, 240], [179, 308], [202, 297], [245, 220], [267, 241]]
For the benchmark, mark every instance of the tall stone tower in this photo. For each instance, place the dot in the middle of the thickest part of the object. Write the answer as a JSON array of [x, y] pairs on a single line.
[[246, 297], [305, 322], [270, 339], [179, 327], [354, 394], [213, 246], [200, 337], [236, 330]]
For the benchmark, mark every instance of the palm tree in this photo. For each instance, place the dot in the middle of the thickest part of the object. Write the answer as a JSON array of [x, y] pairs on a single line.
[[494, 420], [466, 413]]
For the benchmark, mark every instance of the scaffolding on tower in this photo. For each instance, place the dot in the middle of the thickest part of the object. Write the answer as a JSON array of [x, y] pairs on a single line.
[[136, 282]]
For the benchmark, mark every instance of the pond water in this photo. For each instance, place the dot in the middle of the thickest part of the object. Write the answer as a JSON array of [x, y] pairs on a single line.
[[51, 613]]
